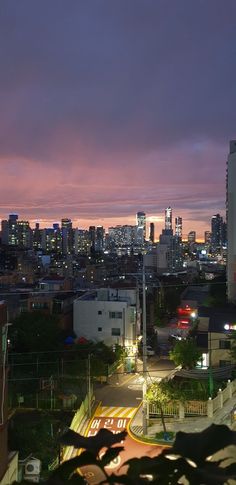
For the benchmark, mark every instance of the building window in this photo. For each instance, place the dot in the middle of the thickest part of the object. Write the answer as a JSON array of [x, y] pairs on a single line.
[[115, 314], [115, 332], [224, 344], [223, 363], [99, 312], [99, 329]]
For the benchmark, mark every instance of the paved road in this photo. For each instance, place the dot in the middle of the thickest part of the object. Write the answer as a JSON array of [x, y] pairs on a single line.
[[126, 389], [116, 419], [118, 403]]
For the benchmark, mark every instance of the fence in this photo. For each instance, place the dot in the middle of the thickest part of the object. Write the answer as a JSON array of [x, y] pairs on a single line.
[[194, 407], [49, 394], [76, 423]]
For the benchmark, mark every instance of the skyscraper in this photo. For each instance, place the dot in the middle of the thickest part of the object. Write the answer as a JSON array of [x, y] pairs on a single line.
[[168, 218], [216, 230], [151, 232], [192, 237], [67, 236], [141, 227], [99, 242], [207, 237], [13, 230], [231, 226], [178, 227]]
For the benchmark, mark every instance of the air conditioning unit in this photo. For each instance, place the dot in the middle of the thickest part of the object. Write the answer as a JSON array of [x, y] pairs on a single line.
[[33, 467]]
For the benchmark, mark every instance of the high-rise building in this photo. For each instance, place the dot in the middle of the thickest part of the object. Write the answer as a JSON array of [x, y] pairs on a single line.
[[52, 240], [16, 233], [207, 237], [67, 236], [224, 234], [178, 227], [192, 237], [141, 227], [99, 242], [82, 241], [169, 252], [231, 226], [37, 243], [5, 231], [168, 218], [13, 230], [151, 232], [120, 236], [24, 234], [92, 237], [216, 230]]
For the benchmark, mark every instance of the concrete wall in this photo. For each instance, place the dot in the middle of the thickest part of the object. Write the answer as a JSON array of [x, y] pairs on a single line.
[[92, 320]]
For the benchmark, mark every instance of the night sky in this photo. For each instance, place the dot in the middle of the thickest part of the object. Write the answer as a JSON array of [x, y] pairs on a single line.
[[109, 107]]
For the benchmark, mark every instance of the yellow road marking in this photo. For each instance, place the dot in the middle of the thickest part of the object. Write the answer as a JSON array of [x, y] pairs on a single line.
[[115, 412]]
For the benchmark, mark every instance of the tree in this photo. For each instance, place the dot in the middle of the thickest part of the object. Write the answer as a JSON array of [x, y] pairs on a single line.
[[159, 393], [35, 332], [185, 353]]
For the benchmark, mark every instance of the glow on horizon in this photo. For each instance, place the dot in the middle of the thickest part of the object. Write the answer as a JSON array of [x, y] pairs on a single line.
[[84, 223]]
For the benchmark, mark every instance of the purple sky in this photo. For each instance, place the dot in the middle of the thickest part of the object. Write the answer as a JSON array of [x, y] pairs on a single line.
[[109, 107]]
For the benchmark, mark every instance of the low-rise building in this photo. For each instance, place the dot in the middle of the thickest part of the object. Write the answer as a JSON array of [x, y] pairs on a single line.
[[110, 315], [213, 336]]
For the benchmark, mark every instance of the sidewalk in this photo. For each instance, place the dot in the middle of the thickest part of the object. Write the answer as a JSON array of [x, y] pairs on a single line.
[[192, 424]]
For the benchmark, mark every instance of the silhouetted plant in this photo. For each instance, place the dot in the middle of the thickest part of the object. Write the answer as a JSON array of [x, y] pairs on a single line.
[[189, 457]]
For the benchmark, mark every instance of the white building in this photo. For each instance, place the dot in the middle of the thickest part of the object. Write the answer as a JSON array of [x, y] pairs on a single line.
[[110, 315], [231, 225]]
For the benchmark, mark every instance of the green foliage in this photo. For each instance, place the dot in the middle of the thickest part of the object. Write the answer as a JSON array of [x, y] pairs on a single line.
[[185, 353], [97, 350], [217, 294], [36, 433], [35, 332], [188, 457], [165, 391]]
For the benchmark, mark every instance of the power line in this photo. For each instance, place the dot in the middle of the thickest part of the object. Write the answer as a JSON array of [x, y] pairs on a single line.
[[57, 292]]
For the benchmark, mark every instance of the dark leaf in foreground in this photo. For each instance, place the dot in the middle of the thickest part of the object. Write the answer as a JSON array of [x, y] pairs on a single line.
[[103, 439], [198, 446], [110, 455], [66, 469]]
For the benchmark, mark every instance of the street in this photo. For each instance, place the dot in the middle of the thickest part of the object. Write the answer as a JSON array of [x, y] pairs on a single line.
[[116, 419], [118, 403]]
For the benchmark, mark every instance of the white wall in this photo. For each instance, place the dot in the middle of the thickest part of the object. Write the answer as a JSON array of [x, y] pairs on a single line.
[[88, 320]]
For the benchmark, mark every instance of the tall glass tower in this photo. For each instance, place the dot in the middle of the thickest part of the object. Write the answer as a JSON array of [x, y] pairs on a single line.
[[168, 218], [141, 223]]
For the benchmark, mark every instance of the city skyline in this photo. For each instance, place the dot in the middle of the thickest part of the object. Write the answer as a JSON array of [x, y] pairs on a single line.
[[176, 224], [108, 109]]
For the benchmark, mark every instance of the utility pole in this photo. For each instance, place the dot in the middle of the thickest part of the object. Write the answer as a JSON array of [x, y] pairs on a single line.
[[144, 353]]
